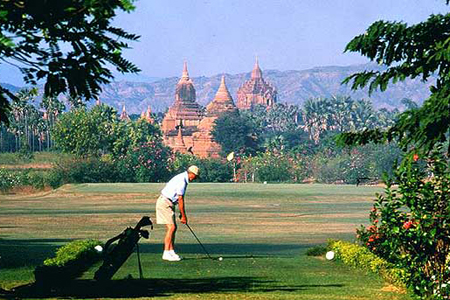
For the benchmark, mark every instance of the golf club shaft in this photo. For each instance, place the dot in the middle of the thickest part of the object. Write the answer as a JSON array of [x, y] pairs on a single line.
[[204, 249]]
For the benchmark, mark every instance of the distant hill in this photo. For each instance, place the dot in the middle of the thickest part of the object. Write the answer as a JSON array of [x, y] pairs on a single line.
[[293, 87]]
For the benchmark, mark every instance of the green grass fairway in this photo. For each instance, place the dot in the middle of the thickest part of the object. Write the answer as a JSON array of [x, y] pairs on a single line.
[[262, 231]]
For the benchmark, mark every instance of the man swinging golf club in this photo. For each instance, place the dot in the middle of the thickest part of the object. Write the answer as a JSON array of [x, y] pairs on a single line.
[[171, 195]]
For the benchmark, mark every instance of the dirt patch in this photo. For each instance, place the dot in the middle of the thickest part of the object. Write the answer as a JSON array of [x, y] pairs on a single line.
[[28, 166], [28, 190], [393, 289]]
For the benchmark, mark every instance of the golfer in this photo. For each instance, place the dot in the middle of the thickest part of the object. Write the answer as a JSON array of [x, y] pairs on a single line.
[[171, 195]]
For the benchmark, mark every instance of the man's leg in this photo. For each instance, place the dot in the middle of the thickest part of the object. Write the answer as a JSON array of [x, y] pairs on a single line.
[[169, 239]]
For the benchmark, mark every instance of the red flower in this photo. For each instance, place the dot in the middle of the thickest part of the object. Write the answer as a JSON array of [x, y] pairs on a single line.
[[372, 228], [416, 157], [407, 225]]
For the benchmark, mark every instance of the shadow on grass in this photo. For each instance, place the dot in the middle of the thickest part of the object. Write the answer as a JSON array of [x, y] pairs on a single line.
[[32, 252], [158, 287], [229, 248], [15, 253]]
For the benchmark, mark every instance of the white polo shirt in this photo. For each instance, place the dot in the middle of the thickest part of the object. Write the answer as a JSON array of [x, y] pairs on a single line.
[[176, 187]]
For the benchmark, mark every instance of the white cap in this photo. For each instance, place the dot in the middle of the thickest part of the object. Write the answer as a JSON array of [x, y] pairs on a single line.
[[194, 169]]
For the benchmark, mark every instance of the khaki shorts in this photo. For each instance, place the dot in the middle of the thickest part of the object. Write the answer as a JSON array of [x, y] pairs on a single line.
[[165, 211]]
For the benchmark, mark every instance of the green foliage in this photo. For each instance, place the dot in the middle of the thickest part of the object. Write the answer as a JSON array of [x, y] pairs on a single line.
[[360, 257], [341, 114], [359, 164], [410, 225], [273, 167], [128, 135], [212, 169], [76, 250], [8, 180], [86, 132], [409, 52], [316, 251], [147, 162], [83, 170], [235, 132], [32, 33], [69, 262]]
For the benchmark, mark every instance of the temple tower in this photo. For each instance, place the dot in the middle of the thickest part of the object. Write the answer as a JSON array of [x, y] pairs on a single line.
[[256, 91], [185, 110], [147, 115], [124, 115], [204, 144]]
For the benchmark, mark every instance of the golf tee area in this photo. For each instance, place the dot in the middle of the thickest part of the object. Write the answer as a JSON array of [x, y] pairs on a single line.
[[262, 232]]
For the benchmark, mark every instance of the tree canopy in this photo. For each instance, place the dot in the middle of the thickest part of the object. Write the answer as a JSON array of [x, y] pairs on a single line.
[[66, 43], [235, 132], [420, 50]]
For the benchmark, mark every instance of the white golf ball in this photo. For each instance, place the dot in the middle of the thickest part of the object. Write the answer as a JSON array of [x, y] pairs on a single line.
[[98, 248], [329, 255], [221, 258]]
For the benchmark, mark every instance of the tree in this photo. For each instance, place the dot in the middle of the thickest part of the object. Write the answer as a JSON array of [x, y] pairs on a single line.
[[129, 135], [235, 132], [412, 219], [408, 52], [84, 132], [67, 43]]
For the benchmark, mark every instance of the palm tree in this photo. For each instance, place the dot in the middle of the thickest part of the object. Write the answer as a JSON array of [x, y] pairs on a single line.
[[316, 117]]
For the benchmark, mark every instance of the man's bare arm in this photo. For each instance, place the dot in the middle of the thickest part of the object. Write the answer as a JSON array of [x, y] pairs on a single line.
[[183, 218]]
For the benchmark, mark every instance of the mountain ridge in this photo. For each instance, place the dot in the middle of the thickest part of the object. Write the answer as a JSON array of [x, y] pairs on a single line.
[[293, 86]]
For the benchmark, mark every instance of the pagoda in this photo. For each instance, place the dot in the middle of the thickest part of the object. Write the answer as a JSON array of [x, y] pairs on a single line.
[[183, 117], [204, 144], [256, 91], [147, 115], [124, 115]]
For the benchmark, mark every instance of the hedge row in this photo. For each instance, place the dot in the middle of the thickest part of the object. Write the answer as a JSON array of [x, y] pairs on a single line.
[[357, 256], [10, 179], [70, 262]]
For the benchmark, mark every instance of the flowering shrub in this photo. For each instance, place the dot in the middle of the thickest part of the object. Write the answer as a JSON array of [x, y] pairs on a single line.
[[147, 162], [8, 180], [373, 236], [410, 225]]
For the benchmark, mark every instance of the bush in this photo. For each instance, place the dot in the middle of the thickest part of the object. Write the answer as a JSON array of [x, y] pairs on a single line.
[[412, 221], [317, 251], [19, 178], [9, 180], [147, 162], [211, 169], [69, 263], [83, 170], [55, 178], [360, 257]]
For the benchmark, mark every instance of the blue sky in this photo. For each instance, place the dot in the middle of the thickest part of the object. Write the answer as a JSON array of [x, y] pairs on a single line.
[[223, 36]]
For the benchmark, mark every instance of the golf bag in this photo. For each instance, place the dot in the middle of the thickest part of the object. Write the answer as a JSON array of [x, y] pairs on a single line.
[[115, 256]]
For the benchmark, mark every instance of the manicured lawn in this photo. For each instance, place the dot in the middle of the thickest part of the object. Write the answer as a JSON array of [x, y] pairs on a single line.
[[262, 231]]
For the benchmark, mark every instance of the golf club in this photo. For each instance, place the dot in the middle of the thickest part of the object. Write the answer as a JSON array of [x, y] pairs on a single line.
[[204, 249]]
